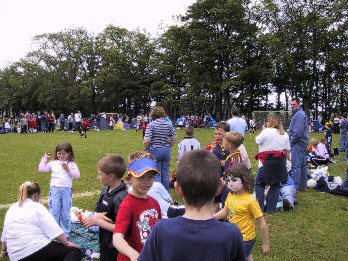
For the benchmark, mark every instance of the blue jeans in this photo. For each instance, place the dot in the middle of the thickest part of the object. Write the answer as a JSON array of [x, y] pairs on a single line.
[[60, 203], [299, 166], [343, 141], [272, 196], [163, 156]]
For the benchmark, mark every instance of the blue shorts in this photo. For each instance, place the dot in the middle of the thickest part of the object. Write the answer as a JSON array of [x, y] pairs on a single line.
[[248, 247]]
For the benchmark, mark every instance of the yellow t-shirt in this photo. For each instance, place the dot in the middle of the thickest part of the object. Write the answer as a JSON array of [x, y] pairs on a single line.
[[244, 209]]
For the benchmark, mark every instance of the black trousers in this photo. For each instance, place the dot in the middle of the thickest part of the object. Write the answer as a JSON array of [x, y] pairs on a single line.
[[55, 252]]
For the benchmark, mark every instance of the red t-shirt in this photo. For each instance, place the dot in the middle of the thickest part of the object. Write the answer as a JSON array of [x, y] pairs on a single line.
[[135, 220]]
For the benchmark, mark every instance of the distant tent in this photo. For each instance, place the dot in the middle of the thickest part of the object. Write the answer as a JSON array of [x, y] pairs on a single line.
[[104, 124]]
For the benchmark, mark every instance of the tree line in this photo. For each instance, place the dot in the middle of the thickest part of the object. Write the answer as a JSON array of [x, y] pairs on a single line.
[[221, 54]]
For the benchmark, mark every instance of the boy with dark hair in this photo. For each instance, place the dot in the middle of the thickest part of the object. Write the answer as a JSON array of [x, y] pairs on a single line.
[[110, 173], [138, 212], [196, 235]]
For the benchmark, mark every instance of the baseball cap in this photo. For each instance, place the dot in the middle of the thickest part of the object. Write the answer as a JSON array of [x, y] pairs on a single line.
[[140, 167]]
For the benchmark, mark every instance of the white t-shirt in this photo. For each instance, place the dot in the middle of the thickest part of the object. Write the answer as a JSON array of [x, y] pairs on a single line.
[[238, 124], [186, 145], [270, 140], [59, 176], [28, 229]]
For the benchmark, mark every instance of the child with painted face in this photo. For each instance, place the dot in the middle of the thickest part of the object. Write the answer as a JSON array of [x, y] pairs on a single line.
[[138, 212], [63, 170], [242, 208]]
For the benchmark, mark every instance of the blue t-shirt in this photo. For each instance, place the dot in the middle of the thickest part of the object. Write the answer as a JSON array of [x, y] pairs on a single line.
[[160, 132], [186, 239]]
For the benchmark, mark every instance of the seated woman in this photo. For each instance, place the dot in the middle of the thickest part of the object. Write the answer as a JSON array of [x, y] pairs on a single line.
[[29, 230], [319, 154]]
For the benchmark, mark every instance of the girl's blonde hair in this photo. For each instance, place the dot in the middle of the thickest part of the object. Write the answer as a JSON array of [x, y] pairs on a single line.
[[274, 121], [27, 190], [66, 146]]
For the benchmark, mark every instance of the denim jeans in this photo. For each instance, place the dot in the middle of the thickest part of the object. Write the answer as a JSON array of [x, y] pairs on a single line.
[[299, 166], [272, 196], [163, 156], [343, 141], [60, 203]]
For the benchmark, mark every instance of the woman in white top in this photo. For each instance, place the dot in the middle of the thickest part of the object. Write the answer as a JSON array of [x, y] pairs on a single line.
[[274, 149], [29, 230]]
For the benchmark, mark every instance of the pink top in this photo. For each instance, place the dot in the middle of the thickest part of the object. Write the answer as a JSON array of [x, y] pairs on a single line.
[[59, 176]]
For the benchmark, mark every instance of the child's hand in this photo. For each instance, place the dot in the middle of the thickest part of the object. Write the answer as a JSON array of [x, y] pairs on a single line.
[[103, 216], [90, 222], [265, 250], [65, 167], [222, 162], [47, 155], [213, 146]]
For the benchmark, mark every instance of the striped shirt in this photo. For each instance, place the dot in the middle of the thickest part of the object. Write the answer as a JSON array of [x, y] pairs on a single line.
[[160, 132]]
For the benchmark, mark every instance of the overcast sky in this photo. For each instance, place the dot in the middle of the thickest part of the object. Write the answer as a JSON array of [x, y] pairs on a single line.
[[21, 20]]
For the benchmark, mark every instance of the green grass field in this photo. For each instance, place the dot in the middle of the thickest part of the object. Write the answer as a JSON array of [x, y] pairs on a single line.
[[316, 230]]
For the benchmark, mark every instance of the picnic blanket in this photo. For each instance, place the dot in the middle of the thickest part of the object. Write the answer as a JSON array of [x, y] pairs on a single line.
[[87, 240]]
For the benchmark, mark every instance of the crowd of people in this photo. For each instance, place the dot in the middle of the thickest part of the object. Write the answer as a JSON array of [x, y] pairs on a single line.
[[138, 219]]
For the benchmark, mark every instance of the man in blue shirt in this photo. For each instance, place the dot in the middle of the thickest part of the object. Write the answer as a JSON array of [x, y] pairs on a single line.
[[298, 135], [236, 123]]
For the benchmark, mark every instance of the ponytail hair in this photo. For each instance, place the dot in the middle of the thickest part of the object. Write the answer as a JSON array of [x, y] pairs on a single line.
[[27, 190]]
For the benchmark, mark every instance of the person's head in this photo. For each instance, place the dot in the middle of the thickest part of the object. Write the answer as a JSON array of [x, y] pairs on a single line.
[[232, 140], [64, 152], [220, 129], [295, 104], [235, 112], [29, 190], [157, 112], [188, 131], [198, 178], [141, 172], [314, 142], [111, 169], [240, 178], [323, 140], [274, 121]]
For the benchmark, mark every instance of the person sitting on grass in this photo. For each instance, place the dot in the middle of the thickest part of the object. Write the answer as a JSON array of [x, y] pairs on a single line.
[[196, 235], [242, 208], [31, 233], [138, 212], [319, 154], [110, 173]]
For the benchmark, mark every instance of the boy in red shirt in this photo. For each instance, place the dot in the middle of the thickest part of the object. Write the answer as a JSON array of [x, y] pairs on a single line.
[[138, 212]]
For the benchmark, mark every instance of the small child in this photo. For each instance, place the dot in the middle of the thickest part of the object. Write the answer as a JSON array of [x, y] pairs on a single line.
[[138, 212], [319, 154], [63, 170], [196, 235], [242, 208], [110, 173], [252, 124], [188, 143]]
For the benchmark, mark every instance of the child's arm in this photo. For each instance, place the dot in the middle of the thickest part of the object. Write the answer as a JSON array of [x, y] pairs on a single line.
[[222, 214], [123, 247], [95, 221], [44, 166], [265, 237], [72, 169]]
